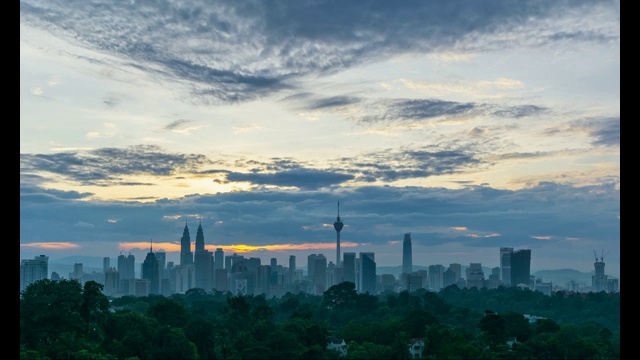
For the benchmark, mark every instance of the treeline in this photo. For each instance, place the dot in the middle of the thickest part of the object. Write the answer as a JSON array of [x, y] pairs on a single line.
[[66, 320]]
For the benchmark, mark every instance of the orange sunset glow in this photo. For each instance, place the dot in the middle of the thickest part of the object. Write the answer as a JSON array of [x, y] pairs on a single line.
[[239, 248]]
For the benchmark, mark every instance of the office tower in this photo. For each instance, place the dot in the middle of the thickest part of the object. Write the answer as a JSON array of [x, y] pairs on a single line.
[[292, 263], [151, 272], [448, 277], [505, 265], [111, 281], [221, 280], [349, 267], [319, 277], [203, 264], [186, 256], [126, 267], [162, 265], [218, 262], [263, 280], [367, 273], [407, 262], [475, 276], [521, 267], [457, 269], [199, 238], [436, 273], [338, 226], [228, 262], [311, 265], [77, 273], [273, 263], [105, 264], [32, 270], [414, 282]]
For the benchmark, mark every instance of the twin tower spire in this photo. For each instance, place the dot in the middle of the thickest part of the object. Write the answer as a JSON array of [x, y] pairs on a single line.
[[186, 256]]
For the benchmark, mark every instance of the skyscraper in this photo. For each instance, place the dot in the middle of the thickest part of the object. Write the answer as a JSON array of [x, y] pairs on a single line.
[[338, 226], [33, 270], [292, 263], [407, 262], [151, 271], [349, 267], [505, 265], [218, 262], [521, 267], [105, 264], [203, 263], [186, 256], [367, 273]]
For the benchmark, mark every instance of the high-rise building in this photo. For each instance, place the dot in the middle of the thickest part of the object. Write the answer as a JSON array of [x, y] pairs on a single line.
[[186, 256], [475, 276], [436, 273], [448, 277], [221, 280], [110, 281], [521, 267], [505, 265], [599, 279], [349, 267], [162, 265], [218, 262], [203, 262], [407, 262], [32, 270], [77, 273], [367, 273], [292, 263], [457, 269], [105, 264], [337, 225], [151, 272]]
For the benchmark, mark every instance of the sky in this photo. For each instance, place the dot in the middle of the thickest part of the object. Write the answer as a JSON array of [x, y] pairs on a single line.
[[471, 125]]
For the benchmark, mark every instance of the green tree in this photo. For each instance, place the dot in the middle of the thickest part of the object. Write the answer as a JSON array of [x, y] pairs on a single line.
[[340, 296], [494, 330], [50, 318], [169, 312]]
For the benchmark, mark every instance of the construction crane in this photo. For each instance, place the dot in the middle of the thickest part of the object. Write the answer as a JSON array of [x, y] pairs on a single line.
[[602, 255]]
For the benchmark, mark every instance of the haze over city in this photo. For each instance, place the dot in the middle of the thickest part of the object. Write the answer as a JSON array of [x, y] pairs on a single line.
[[471, 125]]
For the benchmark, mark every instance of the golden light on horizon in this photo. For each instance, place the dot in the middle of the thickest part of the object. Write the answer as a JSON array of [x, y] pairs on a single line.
[[238, 248]]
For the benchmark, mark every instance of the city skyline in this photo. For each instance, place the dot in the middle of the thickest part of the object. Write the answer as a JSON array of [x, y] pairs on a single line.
[[471, 126]]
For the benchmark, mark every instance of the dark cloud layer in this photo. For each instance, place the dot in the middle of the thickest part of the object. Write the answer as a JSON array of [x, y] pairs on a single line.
[[372, 214], [240, 50], [105, 166]]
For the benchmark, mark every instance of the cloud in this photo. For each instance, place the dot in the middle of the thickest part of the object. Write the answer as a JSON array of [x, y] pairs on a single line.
[[106, 165], [300, 178], [235, 51]]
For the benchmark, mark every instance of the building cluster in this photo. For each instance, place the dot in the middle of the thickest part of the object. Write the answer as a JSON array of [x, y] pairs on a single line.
[[215, 271]]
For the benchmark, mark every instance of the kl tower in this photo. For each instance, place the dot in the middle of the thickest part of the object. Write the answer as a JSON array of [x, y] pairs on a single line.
[[338, 226]]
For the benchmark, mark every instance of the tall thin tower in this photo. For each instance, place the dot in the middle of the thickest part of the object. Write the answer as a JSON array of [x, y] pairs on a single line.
[[338, 226], [407, 263]]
